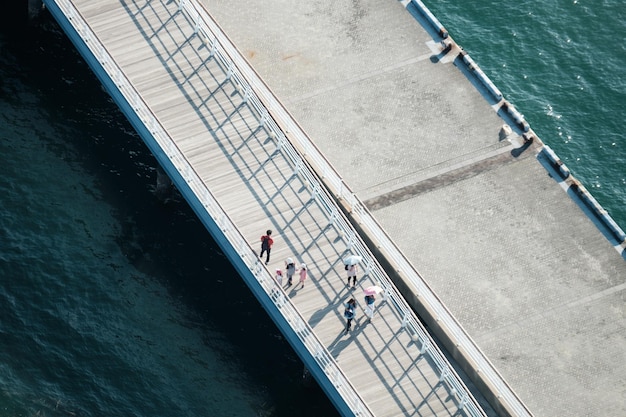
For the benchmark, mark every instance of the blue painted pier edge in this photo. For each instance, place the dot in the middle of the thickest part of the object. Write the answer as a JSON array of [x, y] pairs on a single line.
[[546, 156], [583, 198], [211, 225]]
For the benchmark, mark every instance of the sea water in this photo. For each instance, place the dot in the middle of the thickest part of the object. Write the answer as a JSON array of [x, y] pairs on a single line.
[[563, 65], [115, 301]]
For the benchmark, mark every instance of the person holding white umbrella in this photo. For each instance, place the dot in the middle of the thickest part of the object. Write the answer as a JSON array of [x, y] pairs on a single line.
[[352, 273], [351, 263]]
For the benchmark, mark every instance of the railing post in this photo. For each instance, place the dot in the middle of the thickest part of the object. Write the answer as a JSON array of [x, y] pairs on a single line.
[[246, 93], [213, 48], [231, 69], [230, 232], [315, 191], [405, 320], [368, 269], [297, 168], [264, 117], [462, 401], [444, 374], [386, 293], [333, 217]]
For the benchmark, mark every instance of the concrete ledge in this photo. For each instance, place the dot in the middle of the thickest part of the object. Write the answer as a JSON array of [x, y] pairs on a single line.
[[421, 7], [430, 319], [577, 191]]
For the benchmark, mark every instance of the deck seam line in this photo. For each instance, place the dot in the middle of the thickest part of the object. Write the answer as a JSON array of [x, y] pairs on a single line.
[[446, 176]]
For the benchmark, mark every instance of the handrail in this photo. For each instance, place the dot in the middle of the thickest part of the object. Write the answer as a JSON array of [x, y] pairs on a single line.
[[270, 110], [273, 291], [211, 31]]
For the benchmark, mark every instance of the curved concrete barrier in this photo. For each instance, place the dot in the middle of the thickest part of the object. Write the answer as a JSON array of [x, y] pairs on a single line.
[[598, 210], [482, 77], [431, 18], [517, 116], [556, 162]]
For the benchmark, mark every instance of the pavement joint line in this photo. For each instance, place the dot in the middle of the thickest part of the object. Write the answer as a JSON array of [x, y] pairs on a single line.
[[593, 297], [543, 315], [392, 184], [446, 176], [357, 79]]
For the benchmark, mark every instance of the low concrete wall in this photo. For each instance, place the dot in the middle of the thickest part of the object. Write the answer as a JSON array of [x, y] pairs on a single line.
[[429, 319]]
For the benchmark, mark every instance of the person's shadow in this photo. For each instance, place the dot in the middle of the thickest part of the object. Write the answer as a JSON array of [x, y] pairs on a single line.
[[344, 338]]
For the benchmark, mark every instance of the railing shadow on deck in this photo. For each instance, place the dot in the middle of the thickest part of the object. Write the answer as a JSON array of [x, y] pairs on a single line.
[[353, 243], [290, 154], [129, 99]]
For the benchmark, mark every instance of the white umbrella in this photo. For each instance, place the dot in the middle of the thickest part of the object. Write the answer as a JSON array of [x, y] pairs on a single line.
[[352, 260]]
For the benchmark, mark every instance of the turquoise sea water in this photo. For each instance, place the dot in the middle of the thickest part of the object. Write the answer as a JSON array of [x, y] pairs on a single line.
[[563, 65], [114, 302]]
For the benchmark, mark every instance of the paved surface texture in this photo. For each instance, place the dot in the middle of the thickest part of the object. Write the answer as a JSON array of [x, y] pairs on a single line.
[[213, 135], [527, 274]]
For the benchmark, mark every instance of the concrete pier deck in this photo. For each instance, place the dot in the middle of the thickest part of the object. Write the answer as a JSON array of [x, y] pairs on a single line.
[[525, 271]]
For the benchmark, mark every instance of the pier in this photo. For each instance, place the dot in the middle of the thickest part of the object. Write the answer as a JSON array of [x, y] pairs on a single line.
[[356, 129]]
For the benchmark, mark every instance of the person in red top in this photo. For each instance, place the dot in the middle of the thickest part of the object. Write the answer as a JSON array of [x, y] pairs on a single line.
[[266, 245]]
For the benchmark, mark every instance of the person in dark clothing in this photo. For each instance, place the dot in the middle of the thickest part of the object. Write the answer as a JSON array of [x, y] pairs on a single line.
[[291, 270], [349, 313], [266, 245]]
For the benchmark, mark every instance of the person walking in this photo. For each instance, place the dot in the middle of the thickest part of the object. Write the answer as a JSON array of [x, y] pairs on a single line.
[[370, 305], [276, 293], [349, 313], [266, 245], [279, 277], [290, 269], [352, 272], [303, 274]]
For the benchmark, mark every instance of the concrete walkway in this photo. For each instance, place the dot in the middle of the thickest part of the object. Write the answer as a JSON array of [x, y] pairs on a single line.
[[524, 270]]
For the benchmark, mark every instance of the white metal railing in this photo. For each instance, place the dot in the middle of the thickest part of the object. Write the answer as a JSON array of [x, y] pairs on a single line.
[[269, 111], [264, 101], [274, 292]]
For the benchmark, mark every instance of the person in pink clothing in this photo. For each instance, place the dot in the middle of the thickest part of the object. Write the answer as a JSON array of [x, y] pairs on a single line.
[[279, 280], [303, 273], [279, 277], [352, 272]]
